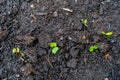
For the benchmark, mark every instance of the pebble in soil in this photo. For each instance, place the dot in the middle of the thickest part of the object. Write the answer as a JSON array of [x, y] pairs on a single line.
[[74, 52], [72, 63]]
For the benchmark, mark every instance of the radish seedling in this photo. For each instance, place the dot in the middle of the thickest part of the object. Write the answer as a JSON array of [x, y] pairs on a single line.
[[93, 48], [53, 46], [16, 50], [107, 33], [84, 22]]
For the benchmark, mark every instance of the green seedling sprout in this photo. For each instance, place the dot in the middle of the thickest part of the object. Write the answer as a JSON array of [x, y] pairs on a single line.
[[103, 33], [107, 33], [84, 22], [53, 46], [55, 50], [93, 48], [16, 50]]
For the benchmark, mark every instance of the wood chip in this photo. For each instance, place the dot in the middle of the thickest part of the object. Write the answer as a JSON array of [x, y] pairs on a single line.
[[107, 56], [67, 9], [83, 37], [76, 1], [17, 75]]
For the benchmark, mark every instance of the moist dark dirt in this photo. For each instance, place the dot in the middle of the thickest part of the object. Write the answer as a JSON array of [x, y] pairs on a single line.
[[32, 24]]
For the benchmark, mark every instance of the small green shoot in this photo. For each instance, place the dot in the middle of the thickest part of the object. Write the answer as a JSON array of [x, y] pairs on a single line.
[[103, 33], [16, 50], [107, 33], [93, 48], [84, 22], [55, 50], [53, 46]]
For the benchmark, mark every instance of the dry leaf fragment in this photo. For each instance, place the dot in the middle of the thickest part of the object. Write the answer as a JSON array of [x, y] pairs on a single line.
[[107, 56]]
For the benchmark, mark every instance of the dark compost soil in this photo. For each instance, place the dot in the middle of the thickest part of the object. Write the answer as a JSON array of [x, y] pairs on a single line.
[[32, 24]]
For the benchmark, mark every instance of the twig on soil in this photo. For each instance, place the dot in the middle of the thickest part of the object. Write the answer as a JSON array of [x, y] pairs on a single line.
[[41, 13], [85, 60], [34, 18], [67, 9], [49, 62]]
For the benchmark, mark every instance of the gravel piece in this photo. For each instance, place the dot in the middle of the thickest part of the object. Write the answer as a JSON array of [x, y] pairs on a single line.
[[72, 63], [74, 52]]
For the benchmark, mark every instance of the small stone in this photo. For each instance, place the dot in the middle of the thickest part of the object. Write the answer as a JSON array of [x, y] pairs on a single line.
[[74, 52], [61, 38], [101, 9], [5, 79], [32, 6], [76, 1], [66, 56], [72, 63], [106, 79], [55, 14], [70, 38], [17, 75]]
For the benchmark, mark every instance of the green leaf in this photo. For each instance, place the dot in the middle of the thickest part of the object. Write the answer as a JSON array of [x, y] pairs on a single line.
[[55, 50], [109, 33], [14, 50], [17, 50], [103, 33], [52, 44], [93, 47], [84, 21]]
